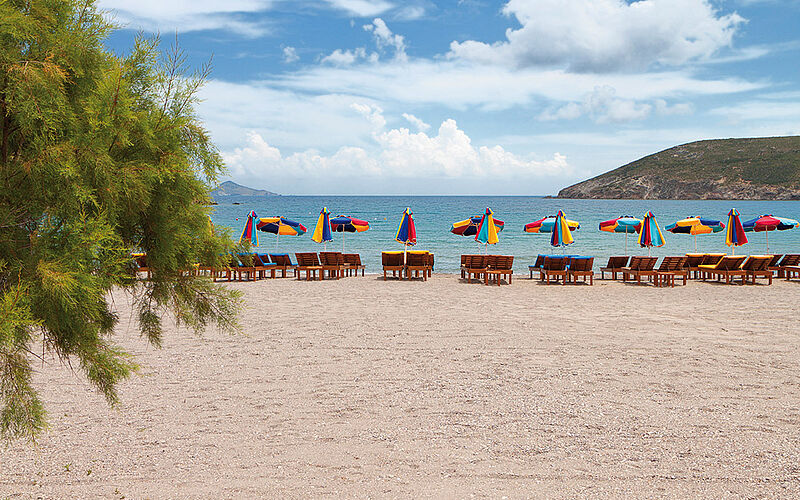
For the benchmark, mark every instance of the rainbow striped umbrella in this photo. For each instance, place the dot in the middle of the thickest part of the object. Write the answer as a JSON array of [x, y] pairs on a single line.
[[694, 226], [487, 231], [734, 236], [347, 224], [280, 226], [767, 223], [625, 224], [469, 227], [322, 232], [546, 225], [561, 235], [249, 232], [651, 235], [406, 232]]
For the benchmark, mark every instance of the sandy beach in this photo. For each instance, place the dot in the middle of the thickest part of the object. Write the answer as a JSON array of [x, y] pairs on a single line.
[[365, 388]]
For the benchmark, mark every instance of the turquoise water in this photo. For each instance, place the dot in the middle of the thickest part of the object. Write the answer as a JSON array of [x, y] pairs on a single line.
[[434, 215]]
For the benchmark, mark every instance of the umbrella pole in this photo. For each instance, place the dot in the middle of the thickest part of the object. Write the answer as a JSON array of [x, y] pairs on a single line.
[[343, 233], [626, 241], [277, 238], [766, 233], [405, 262], [695, 243]]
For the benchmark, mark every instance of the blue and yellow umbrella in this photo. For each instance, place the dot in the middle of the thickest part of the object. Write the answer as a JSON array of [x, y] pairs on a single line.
[[280, 226], [767, 223], [347, 224], [694, 226], [487, 230], [651, 235], [322, 232], [407, 231], [625, 224], [561, 235]]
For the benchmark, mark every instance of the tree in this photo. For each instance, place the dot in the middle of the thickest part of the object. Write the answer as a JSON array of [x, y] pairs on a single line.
[[100, 155]]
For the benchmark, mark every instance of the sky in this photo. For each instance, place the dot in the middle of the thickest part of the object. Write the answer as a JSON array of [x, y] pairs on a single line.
[[472, 97]]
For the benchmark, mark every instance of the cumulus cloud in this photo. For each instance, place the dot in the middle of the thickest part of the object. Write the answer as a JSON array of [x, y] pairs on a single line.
[[384, 38], [373, 114], [190, 15], [397, 154], [290, 55], [419, 124], [341, 57], [605, 35]]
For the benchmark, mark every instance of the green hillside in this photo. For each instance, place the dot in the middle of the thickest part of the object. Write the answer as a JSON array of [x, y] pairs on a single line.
[[762, 168]]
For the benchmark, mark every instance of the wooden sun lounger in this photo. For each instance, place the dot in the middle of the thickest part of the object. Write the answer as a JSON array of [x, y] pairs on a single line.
[[728, 267], [791, 272], [789, 260], [417, 263], [333, 262], [537, 265], [308, 262], [263, 266], [282, 262], [554, 266], [502, 266], [476, 266], [353, 262], [757, 266], [392, 261], [640, 266], [670, 268], [581, 267], [614, 266], [709, 259]]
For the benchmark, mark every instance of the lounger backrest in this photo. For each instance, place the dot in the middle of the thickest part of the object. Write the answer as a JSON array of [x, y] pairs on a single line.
[[260, 260], [775, 259], [636, 262], [281, 259], [417, 259], [791, 259], [539, 261], [430, 259], [503, 262], [392, 259], [756, 263], [668, 263], [491, 261], [679, 264], [648, 263], [618, 262], [712, 259], [694, 259], [581, 264], [476, 262], [555, 263], [141, 260], [464, 259], [730, 262]]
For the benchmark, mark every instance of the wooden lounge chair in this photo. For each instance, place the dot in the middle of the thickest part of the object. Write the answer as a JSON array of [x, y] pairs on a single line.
[[775, 259], [693, 260], [430, 264], [581, 267], [757, 266], [392, 261], [263, 266], [789, 260], [502, 266], [417, 262], [554, 266], [308, 262], [333, 262], [227, 272], [464, 258], [640, 266], [537, 265], [709, 259], [670, 268], [476, 266], [282, 263], [245, 267], [614, 266], [728, 267], [791, 272], [353, 261]]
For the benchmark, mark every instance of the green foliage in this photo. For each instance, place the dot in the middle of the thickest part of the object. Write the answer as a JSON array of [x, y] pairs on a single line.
[[100, 155]]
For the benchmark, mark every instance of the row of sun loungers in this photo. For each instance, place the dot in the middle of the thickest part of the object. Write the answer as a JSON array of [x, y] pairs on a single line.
[[415, 263], [489, 267], [566, 268]]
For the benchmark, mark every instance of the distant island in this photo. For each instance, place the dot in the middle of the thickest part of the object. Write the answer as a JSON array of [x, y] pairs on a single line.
[[723, 169], [230, 188]]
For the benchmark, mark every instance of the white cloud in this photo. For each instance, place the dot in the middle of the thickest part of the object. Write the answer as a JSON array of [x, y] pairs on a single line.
[[290, 55], [362, 8], [605, 35], [410, 13], [373, 114], [190, 15], [419, 124], [341, 57], [385, 38], [603, 106], [396, 154]]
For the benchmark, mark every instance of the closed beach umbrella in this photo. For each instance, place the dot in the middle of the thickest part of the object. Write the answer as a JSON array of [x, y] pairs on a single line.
[[322, 233], [346, 224], [561, 235], [651, 235], [546, 225], [694, 226], [487, 230], [767, 223], [280, 226], [469, 227], [249, 232], [625, 224], [734, 236], [407, 231]]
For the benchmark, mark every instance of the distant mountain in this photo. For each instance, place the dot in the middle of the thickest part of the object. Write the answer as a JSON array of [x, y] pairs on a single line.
[[230, 188], [724, 169]]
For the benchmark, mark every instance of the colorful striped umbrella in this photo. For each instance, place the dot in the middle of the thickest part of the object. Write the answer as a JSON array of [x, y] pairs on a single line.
[[249, 232], [734, 236], [561, 235], [406, 232], [625, 224], [487, 231], [651, 235], [695, 226], [469, 227], [322, 232], [347, 224], [280, 226], [767, 223], [546, 224]]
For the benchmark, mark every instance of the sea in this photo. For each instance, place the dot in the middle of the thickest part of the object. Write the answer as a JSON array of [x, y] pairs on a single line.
[[434, 216]]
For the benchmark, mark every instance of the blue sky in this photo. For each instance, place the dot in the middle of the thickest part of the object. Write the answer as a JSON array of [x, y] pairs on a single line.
[[521, 97]]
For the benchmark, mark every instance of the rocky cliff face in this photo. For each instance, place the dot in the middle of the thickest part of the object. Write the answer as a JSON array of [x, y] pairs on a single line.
[[742, 169]]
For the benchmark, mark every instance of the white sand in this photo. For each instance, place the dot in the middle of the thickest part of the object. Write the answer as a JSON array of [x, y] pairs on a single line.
[[365, 388]]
